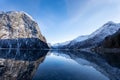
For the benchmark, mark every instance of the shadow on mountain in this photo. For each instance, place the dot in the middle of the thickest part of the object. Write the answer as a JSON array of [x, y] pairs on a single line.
[[23, 43], [107, 65], [20, 64]]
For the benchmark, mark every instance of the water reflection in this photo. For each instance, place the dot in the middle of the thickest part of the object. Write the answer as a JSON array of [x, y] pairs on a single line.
[[19, 64], [112, 58], [107, 64], [70, 65]]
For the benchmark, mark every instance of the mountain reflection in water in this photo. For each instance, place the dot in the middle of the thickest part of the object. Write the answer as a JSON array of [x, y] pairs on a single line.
[[18, 64], [76, 65]]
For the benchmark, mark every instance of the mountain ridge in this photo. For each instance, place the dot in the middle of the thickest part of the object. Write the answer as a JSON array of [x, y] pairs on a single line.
[[94, 38]]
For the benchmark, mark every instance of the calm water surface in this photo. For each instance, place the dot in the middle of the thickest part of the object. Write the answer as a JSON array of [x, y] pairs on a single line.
[[57, 66], [18, 64]]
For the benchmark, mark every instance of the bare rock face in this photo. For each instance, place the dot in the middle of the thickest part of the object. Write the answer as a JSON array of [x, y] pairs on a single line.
[[19, 25]]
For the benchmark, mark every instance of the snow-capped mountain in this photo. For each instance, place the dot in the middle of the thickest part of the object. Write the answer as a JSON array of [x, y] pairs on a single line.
[[107, 29], [94, 38], [78, 39], [62, 44]]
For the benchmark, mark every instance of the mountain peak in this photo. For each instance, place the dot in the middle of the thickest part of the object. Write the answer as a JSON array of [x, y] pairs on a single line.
[[109, 23], [18, 24], [16, 13]]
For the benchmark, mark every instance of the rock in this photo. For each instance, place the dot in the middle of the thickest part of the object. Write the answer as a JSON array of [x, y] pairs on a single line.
[[17, 29]]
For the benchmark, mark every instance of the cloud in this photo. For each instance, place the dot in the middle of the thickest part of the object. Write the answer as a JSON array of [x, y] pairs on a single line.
[[89, 9]]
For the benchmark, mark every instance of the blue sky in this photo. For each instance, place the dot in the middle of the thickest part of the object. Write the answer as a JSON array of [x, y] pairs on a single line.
[[63, 20]]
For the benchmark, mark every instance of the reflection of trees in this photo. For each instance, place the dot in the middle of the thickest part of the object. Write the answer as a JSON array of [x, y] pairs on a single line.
[[104, 64]]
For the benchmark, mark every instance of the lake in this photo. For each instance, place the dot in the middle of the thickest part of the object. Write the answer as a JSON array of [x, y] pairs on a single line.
[[55, 65]]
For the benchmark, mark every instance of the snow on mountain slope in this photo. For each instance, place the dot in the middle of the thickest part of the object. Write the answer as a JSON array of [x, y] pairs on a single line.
[[78, 39], [81, 38], [19, 30], [61, 44], [95, 37], [107, 29]]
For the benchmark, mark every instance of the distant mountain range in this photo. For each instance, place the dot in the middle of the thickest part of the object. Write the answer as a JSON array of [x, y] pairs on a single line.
[[91, 40]]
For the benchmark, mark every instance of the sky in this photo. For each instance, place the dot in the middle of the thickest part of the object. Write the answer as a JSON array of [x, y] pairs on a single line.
[[63, 20]]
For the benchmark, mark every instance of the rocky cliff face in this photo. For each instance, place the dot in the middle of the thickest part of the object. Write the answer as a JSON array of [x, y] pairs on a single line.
[[19, 25]]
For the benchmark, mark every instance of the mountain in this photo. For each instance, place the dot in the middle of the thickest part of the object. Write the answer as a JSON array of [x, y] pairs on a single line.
[[60, 44], [110, 45], [78, 39], [18, 30], [112, 41], [93, 39], [71, 42]]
